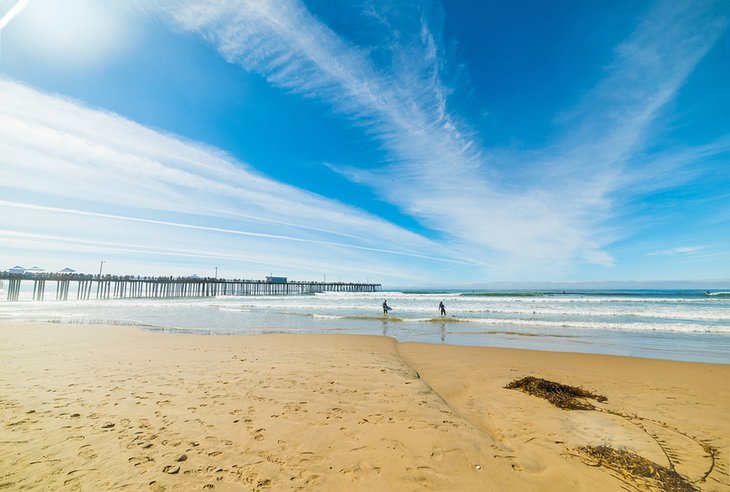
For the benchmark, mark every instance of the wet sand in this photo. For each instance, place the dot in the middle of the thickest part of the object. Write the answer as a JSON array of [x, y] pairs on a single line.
[[113, 407]]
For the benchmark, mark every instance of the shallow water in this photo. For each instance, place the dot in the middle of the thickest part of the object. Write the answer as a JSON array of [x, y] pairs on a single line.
[[677, 325]]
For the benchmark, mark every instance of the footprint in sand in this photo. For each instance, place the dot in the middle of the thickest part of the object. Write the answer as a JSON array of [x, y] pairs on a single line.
[[156, 487], [392, 443], [306, 456], [350, 435], [86, 452], [362, 470], [139, 460], [72, 483], [18, 423], [423, 475], [263, 484]]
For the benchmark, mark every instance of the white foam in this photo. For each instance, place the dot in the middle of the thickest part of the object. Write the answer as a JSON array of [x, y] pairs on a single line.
[[690, 314], [588, 325], [326, 316]]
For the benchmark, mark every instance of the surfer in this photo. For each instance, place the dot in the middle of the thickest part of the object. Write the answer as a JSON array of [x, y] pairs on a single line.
[[386, 308], [442, 308]]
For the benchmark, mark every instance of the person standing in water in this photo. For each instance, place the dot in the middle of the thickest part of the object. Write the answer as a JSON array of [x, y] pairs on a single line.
[[386, 308], [442, 308]]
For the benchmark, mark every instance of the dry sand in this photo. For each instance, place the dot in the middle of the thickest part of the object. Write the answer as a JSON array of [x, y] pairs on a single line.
[[113, 407]]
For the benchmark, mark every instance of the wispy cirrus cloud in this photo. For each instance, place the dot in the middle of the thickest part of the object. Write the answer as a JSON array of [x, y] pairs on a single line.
[[107, 184], [678, 251], [543, 218], [515, 213]]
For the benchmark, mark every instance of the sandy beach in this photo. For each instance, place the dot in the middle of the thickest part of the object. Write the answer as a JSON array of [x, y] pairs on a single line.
[[97, 407]]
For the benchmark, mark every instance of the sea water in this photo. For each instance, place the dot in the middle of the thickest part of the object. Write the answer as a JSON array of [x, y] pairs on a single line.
[[678, 325]]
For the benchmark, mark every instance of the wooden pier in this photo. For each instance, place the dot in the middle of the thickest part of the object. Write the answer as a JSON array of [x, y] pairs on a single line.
[[86, 287]]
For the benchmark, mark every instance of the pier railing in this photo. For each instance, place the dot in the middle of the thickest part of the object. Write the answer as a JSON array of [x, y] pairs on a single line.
[[84, 287]]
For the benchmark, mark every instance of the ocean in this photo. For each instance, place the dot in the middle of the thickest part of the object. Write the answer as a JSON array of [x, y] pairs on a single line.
[[685, 325]]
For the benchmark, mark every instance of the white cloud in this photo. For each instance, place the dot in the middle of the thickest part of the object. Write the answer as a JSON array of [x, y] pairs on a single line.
[[679, 251], [96, 168], [67, 171], [553, 216], [170, 224]]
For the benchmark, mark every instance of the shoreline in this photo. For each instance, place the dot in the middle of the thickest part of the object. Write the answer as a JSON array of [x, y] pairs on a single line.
[[711, 348], [674, 326], [669, 325], [109, 406]]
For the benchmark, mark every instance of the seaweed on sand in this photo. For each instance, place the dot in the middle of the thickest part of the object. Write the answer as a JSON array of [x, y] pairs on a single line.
[[560, 395], [634, 467], [634, 470]]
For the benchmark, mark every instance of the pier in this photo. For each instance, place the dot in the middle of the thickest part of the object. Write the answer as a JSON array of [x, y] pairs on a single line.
[[85, 287]]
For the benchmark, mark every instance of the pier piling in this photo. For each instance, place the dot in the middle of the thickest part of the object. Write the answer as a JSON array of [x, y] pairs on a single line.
[[123, 287]]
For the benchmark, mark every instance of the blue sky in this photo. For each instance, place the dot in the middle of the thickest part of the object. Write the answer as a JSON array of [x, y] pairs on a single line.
[[409, 143]]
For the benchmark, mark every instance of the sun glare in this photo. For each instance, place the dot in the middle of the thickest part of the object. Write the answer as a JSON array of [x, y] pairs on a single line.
[[72, 32], [12, 12]]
